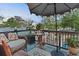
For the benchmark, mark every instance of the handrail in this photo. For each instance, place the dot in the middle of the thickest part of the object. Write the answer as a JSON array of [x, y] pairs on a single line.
[[40, 30]]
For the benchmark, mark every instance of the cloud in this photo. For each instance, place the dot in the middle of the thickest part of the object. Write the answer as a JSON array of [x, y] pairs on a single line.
[[35, 18]]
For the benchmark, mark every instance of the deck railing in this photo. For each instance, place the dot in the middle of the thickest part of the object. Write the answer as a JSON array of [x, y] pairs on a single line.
[[50, 37], [60, 40]]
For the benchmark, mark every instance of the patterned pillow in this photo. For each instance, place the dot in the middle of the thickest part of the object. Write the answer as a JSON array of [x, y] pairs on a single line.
[[12, 36], [3, 37]]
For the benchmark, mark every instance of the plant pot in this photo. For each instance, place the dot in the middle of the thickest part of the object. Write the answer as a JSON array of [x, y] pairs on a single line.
[[72, 51]]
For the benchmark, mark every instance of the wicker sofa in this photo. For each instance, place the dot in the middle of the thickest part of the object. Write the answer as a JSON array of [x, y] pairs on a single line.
[[16, 44]]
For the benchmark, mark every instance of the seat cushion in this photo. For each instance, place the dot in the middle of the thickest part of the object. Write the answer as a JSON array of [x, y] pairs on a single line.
[[17, 44]]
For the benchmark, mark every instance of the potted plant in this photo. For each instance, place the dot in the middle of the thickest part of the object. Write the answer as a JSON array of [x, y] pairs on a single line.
[[38, 26], [73, 44]]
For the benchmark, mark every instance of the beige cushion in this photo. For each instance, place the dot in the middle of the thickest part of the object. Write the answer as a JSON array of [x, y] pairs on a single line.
[[16, 44], [3, 37]]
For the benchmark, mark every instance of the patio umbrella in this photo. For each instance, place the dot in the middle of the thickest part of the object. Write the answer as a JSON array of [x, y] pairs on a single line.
[[48, 9]]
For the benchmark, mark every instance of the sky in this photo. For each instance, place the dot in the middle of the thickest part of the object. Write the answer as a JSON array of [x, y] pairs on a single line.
[[18, 9]]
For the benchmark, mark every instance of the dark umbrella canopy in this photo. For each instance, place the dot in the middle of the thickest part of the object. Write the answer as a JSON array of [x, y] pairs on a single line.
[[47, 9]]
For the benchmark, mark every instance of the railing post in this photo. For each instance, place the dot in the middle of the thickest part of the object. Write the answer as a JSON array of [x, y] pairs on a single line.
[[59, 41], [16, 31]]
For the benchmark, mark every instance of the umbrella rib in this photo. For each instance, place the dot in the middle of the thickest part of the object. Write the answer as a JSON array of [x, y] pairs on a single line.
[[44, 9], [67, 6], [36, 6]]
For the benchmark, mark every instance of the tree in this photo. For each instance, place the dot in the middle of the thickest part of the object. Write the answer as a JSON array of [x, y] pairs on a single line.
[[71, 20], [48, 22], [11, 22], [30, 24], [66, 22]]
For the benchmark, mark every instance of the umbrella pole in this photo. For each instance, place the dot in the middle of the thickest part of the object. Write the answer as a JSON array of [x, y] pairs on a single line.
[[57, 52], [55, 22], [56, 26]]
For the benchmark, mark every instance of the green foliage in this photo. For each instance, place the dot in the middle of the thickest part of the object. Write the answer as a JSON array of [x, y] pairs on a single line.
[[11, 22], [18, 22], [30, 24], [72, 42], [39, 26], [71, 20], [48, 23]]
